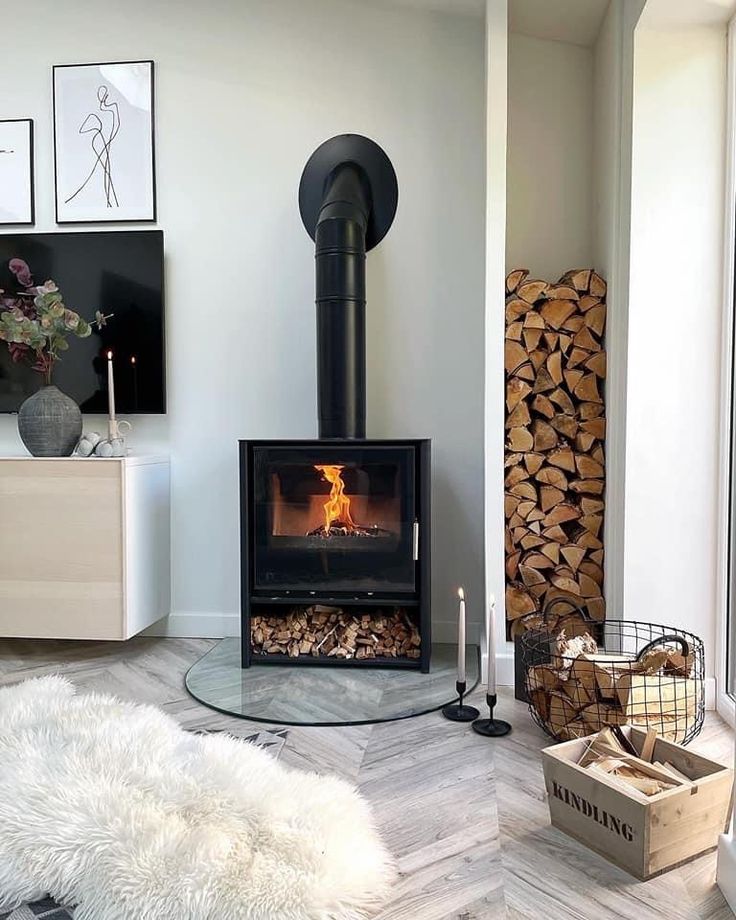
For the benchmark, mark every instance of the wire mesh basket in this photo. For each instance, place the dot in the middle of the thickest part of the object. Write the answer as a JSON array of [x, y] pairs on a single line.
[[623, 672]]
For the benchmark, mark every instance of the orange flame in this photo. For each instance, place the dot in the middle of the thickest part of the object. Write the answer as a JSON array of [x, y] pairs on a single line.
[[337, 507]]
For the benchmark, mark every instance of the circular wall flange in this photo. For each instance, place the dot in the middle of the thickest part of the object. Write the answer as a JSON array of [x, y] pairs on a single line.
[[365, 153]]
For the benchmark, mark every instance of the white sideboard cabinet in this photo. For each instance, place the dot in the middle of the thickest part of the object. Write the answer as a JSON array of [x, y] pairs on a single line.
[[84, 546]]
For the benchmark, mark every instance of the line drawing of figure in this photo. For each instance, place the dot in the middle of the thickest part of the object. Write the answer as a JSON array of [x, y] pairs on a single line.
[[101, 145]]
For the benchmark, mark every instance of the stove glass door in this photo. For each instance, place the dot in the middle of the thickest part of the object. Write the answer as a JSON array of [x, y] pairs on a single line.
[[336, 518]]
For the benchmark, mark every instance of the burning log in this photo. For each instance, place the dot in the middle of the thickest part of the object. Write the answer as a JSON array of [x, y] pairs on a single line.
[[331, 632], [339, 529], [555, 428]]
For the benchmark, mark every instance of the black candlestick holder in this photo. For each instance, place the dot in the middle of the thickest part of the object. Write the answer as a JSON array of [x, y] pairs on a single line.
[[456, 712], [491, 728]]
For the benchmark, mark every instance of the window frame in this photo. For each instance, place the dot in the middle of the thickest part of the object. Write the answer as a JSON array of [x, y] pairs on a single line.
[[726, 599]]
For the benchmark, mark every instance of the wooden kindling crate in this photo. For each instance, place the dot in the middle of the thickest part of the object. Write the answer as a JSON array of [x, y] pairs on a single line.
[[645, 835]]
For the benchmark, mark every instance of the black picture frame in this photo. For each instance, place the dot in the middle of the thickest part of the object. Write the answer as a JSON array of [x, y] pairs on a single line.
[[31, 174], [113, 219]]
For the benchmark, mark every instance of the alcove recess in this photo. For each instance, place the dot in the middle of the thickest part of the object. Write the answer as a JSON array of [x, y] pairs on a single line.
[[557, 256]]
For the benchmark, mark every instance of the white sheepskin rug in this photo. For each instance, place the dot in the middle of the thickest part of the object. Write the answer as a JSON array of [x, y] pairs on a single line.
[[113, 807]]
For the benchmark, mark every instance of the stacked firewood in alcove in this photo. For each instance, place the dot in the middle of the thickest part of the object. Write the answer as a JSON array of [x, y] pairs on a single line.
[[332, 632], [555, 435]]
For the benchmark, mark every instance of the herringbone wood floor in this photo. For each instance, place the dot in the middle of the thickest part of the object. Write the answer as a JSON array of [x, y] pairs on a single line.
[[465, 817]]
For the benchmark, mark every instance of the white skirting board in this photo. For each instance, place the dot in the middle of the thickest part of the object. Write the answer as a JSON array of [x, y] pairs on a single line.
[[197, 626], [727, 869], [504, 666]]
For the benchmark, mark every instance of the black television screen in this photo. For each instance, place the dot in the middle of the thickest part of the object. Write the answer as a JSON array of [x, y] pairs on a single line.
[[119, 273]]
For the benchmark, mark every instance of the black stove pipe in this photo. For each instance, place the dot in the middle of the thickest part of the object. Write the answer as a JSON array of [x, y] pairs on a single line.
[[340, 246], [348, 196]]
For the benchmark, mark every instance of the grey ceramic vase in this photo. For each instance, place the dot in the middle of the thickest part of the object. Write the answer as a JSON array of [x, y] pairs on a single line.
[[50, 423]]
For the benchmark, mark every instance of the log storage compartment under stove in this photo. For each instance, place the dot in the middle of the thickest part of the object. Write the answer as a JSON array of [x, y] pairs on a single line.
[[341, 632], [335, 554]]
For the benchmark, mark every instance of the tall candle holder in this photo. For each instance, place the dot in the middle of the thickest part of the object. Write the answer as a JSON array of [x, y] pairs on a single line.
[[457, 712], [491, 728]]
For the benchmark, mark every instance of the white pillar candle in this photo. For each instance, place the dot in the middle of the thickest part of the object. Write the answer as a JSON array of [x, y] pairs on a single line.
[[461, 637], [491, 639], [111, 386]]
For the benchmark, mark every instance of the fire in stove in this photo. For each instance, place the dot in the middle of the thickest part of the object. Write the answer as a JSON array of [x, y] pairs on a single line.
[[338, 521]]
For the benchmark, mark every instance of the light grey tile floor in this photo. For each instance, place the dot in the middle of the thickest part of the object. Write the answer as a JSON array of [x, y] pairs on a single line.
[[466, 817]]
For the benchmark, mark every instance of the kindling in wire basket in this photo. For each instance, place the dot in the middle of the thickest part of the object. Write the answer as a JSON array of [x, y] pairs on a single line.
[[620, 672]]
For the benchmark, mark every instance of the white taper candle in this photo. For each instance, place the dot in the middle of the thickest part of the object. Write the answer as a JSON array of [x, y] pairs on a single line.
[[461, 637], [110, 386], [491, 639]]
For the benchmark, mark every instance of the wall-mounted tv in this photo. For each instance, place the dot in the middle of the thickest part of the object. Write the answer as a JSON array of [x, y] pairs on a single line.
[[118, 272]]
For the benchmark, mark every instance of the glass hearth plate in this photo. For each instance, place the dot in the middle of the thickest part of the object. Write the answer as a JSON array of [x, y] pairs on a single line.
[[294, 695]]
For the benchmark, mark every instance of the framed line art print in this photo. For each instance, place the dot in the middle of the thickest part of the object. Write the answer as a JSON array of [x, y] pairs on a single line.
[[16, 172], [104, 156]]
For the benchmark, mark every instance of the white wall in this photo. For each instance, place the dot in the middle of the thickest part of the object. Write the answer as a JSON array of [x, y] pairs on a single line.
[[607, 158], [605, 150], [246, 89], [613, 56], [550, 162], [674, 328], [495, 386]]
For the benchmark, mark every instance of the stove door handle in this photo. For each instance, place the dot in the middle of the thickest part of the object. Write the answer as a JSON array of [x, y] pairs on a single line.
[[415, 536]]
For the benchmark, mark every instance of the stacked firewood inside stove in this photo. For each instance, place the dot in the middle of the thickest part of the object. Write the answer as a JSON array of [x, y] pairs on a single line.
[[555, 432], [332, 632], [584, 689]]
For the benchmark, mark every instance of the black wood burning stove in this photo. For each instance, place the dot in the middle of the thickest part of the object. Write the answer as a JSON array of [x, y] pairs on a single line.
[[335, 533], [341, 526]]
